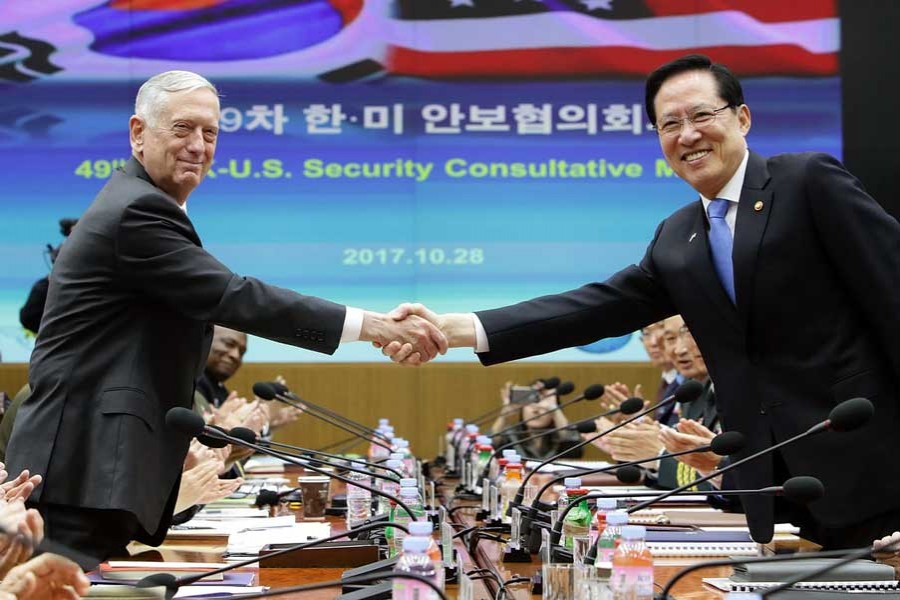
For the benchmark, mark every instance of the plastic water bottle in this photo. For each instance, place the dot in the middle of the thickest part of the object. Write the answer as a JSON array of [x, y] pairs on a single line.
[[414, 561], [453, 431], [389, 487], [604, 507], [359, 500], [509, 489], [632, 571], [570, 483], [606, 544], [578, 519], [410, 497], [424, 529]]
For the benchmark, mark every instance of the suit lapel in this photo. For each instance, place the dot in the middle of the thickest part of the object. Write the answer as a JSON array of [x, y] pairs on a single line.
[[699, 267], [753, 216]]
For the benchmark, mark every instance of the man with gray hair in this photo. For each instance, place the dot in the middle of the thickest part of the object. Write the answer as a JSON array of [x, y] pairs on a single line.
[[132, 300]]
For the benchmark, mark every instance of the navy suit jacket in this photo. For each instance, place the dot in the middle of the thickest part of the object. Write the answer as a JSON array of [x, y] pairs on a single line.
[[125, 333], [816, 321]]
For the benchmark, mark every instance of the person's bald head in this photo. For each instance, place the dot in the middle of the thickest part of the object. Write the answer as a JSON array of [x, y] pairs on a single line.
[[226, 354]]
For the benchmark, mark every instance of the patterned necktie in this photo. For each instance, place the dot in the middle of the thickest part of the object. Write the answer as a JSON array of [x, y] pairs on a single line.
[[721, 243]]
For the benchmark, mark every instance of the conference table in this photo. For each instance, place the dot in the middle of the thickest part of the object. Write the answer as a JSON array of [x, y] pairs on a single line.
[[488, 555]]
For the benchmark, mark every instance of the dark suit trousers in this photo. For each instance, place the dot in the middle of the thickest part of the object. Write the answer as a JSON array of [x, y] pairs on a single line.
[[98, 533]]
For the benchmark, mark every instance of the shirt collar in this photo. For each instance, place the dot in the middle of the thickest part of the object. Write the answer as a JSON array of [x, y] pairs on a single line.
[[732, 189], [670, 375]]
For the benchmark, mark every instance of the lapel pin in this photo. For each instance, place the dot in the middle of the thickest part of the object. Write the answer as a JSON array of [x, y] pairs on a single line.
[[691, 239], [758, 206]]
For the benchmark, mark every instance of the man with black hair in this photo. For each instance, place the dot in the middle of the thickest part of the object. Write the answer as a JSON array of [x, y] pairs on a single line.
[[786, 272]]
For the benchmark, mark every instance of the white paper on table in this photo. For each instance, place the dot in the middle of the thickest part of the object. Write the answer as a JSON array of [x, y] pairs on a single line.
[[218, 514], [190, 591], [250, 542], [196, 526], [576, 464]]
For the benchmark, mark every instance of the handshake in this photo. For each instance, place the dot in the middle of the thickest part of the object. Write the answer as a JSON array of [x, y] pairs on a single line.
[[413, 335]]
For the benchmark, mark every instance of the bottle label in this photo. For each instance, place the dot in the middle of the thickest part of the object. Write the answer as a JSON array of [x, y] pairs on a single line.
[[637, 582]]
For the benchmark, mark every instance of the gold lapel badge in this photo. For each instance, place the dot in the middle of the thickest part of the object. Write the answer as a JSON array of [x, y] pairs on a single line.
[[758, 206]]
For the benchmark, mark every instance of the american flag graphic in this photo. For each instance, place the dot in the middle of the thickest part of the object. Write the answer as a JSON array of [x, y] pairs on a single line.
[[558, 38]]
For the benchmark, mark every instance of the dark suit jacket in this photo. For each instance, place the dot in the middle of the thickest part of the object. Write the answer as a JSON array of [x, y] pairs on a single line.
[[817, 268], [125, 333]]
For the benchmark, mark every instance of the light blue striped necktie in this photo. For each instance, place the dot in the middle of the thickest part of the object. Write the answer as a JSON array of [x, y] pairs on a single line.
[[721, 243]]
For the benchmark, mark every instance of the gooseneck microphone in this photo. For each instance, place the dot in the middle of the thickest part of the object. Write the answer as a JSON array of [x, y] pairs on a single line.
[[688, 391], [190, 423], [284, 392], [723, 444], [629, 406], [250, 437], [172, 583], [566, 387], [549, 384], [302, 451], [846, 416], [268, 392]]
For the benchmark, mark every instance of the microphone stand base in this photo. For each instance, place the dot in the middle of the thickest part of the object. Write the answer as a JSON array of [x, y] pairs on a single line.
[[451, 574], [379, 591], [516, 555]]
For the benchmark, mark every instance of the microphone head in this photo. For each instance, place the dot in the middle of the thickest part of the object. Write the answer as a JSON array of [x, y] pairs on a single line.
[[185, 420], [550, 382], [851, 414], [803, 489], [267, 498], [211, 441], [629, 406], [243, 434], [688, 391], [264, 390], [586, 426], [280, 388], [166, 580], [629, 475], [592, 392], [728, 442], [566, 387]]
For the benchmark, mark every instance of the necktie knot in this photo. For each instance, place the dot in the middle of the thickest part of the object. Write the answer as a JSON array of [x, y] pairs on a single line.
[[717, 208]]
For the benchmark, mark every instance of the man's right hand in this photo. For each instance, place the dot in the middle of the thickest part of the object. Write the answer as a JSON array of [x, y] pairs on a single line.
[[458, 330], [410, 339]]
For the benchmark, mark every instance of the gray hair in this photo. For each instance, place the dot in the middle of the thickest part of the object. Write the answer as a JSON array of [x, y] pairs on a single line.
[[152, 96]]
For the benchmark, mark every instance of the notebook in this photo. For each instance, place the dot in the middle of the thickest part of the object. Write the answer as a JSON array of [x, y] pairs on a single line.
[[726, 585]]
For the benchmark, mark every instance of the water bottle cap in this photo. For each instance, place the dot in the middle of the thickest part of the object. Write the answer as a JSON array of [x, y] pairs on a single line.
[[509, 452], [416, 545], [483, 439], [396, 456], [607, 503], [572, 482], [617, 517], [383, 422], [409, 492], [394, 463], [513, 465], [401, 442], [458, 422], [420, 528], [470, 428], [634, 532], [409, 482]]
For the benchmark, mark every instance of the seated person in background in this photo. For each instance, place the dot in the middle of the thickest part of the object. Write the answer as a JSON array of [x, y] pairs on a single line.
[[542, 447], [643, 438], [226, 355], [200, 483]]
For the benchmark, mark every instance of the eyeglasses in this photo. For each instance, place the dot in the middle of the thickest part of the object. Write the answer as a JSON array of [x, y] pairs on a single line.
[[671, 126], [683, 334]]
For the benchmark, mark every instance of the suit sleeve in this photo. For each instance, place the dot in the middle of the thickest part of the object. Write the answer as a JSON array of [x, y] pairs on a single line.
[[863, 242], [627, 301], [160, 256]]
